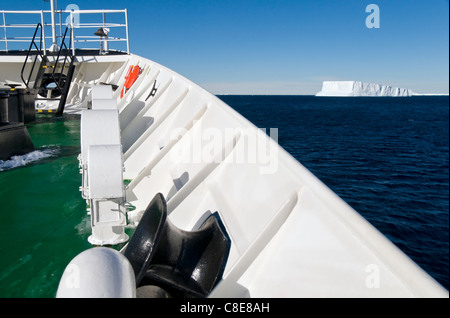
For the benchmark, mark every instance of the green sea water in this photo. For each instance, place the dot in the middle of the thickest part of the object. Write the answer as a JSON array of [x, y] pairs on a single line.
[[43, 220]]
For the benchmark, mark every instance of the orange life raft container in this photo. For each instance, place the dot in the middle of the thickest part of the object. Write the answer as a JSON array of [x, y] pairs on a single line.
[[131, 77]]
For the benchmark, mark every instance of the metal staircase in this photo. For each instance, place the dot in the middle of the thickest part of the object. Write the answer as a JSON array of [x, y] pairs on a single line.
[[55, 72]]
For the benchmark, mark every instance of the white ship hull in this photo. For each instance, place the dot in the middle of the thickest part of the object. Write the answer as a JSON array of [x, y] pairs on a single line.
[[290, 235]]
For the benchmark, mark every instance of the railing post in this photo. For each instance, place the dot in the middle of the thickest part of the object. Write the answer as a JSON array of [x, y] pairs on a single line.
[[72, 37], [60, 23], [105, 40], [43, 32], [126, 27], [4, 27]]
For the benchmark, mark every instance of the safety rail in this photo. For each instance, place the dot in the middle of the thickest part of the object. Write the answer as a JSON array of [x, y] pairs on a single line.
[[67, 54], [39, 52], [75, 18]]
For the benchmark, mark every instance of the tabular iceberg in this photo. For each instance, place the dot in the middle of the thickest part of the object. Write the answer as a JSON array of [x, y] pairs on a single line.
[[355, 88]]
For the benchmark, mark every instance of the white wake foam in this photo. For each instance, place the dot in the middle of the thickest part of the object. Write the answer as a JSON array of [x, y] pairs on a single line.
[[20, 161]]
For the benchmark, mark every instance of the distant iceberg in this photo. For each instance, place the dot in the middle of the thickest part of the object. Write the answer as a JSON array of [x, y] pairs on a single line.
[[355, 88]]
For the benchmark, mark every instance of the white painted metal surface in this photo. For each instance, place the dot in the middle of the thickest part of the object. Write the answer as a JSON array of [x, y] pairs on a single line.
[[98, 273], [102, 168]]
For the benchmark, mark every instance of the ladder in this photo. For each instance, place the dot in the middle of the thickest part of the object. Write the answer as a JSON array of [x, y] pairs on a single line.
[[53, 78]]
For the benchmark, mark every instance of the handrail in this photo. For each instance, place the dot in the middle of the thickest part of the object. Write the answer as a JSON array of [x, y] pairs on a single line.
[[79, 38], [38, 51], [66, 55]]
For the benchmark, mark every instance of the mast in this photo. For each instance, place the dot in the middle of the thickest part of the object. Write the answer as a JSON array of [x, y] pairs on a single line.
[[54, 47]]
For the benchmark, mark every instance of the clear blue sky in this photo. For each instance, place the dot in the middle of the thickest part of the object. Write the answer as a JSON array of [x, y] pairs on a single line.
[[287, 46]]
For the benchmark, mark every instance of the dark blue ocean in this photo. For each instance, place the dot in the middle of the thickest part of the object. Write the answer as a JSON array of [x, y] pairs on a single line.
[[386, 157]]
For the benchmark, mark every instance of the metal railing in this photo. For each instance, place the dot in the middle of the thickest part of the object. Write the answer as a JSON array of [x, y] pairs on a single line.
[[39, 52], [82, 31]]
